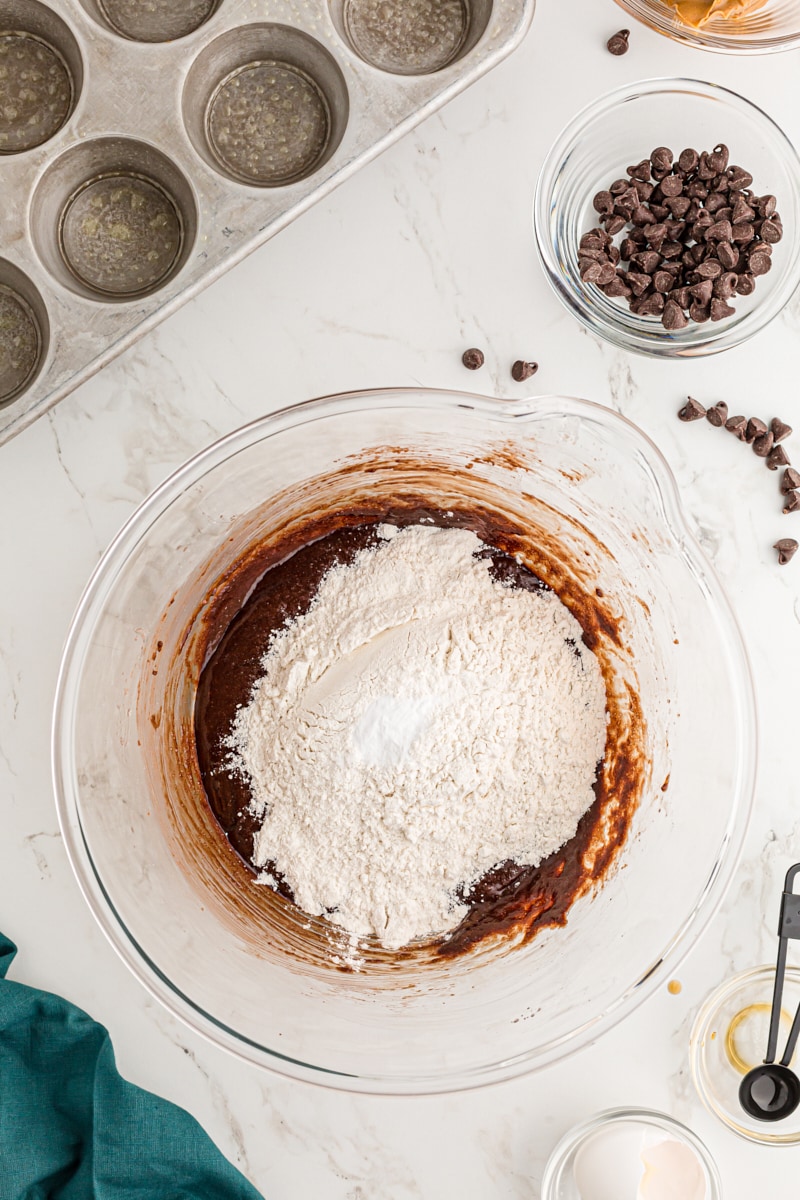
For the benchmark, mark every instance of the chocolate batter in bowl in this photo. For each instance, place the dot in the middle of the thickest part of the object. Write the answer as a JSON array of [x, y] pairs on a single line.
[[583, 502]]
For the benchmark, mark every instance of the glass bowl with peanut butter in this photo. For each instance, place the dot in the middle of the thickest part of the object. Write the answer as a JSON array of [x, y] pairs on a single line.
[[732, 26]]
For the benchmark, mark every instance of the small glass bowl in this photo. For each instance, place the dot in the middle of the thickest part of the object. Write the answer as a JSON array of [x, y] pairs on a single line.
[[559, 1182], [729, 1037], [622, 128], [776, 26]]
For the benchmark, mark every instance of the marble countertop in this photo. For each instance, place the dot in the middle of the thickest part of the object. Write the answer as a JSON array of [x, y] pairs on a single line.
[[427, 251]]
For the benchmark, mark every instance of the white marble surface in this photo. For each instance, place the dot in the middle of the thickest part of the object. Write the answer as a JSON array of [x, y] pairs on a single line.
[[427, 251]]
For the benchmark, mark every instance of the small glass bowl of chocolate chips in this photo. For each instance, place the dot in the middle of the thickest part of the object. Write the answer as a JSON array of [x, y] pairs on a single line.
[[666, 217]]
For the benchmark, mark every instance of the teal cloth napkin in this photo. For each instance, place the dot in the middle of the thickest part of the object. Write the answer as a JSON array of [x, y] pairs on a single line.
[[71, 1128]]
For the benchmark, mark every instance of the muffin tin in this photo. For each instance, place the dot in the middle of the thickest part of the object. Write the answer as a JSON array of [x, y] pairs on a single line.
[[148, 145]]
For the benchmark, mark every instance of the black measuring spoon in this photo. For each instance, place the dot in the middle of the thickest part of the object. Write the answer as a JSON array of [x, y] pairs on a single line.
[[771, 1091]]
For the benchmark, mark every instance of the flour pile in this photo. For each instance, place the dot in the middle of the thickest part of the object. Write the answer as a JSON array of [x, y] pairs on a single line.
[[420, 724]]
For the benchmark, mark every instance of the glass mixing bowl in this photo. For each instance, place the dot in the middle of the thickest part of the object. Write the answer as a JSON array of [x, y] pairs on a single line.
[[775, 26], [624, 127], [580, 477]]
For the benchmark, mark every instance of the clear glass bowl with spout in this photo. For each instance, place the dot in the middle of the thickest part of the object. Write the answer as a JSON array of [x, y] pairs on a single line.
[[576, 476]]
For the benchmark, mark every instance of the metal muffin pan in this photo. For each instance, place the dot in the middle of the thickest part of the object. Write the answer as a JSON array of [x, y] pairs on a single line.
[[146, 146]]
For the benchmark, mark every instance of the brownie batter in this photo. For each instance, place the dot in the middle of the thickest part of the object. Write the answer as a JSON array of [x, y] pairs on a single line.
[[505, 897]]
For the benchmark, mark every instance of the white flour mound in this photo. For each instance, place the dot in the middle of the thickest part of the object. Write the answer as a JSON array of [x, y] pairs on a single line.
[[420, 724]]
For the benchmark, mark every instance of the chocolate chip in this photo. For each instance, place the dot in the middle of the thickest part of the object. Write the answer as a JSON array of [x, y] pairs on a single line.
[[759, 263], [661, 159], [702, 291], [727, 254], [790, 480], [603, 202], [618, 42], [688, 160], [638, 282], [649, 305], [671, 185], [742, 233], [725, 286], [646, 261], [641, 170], [792, 502], [473, 359], [720, 309], [663, 281], [742, 211], [780, 430], [763, 444], [717, 415], [673, 317], [737, 426], [692, 410], [523, 370], [641, 216], [700, 312], [746, 285], [786, 548], [720, 231], [608, 271], [777, 458], [709, 269], [738, 179], [615, 224], [617, 288], [718, 160], [771, 231], [593, 239], [755, 428]]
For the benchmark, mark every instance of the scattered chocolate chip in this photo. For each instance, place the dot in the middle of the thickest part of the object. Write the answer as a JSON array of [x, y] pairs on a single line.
[[618, 42], [763, 444], [692, 410], [780, 430], [790, 481], [523, 370], [755, 428], [746, 285], [777, 457], [786, 548], [717, 415], [792, 502], [473, 359], [737, 426]]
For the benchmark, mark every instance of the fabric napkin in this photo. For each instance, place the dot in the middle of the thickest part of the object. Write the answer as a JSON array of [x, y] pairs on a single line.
[[71, 1128]]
